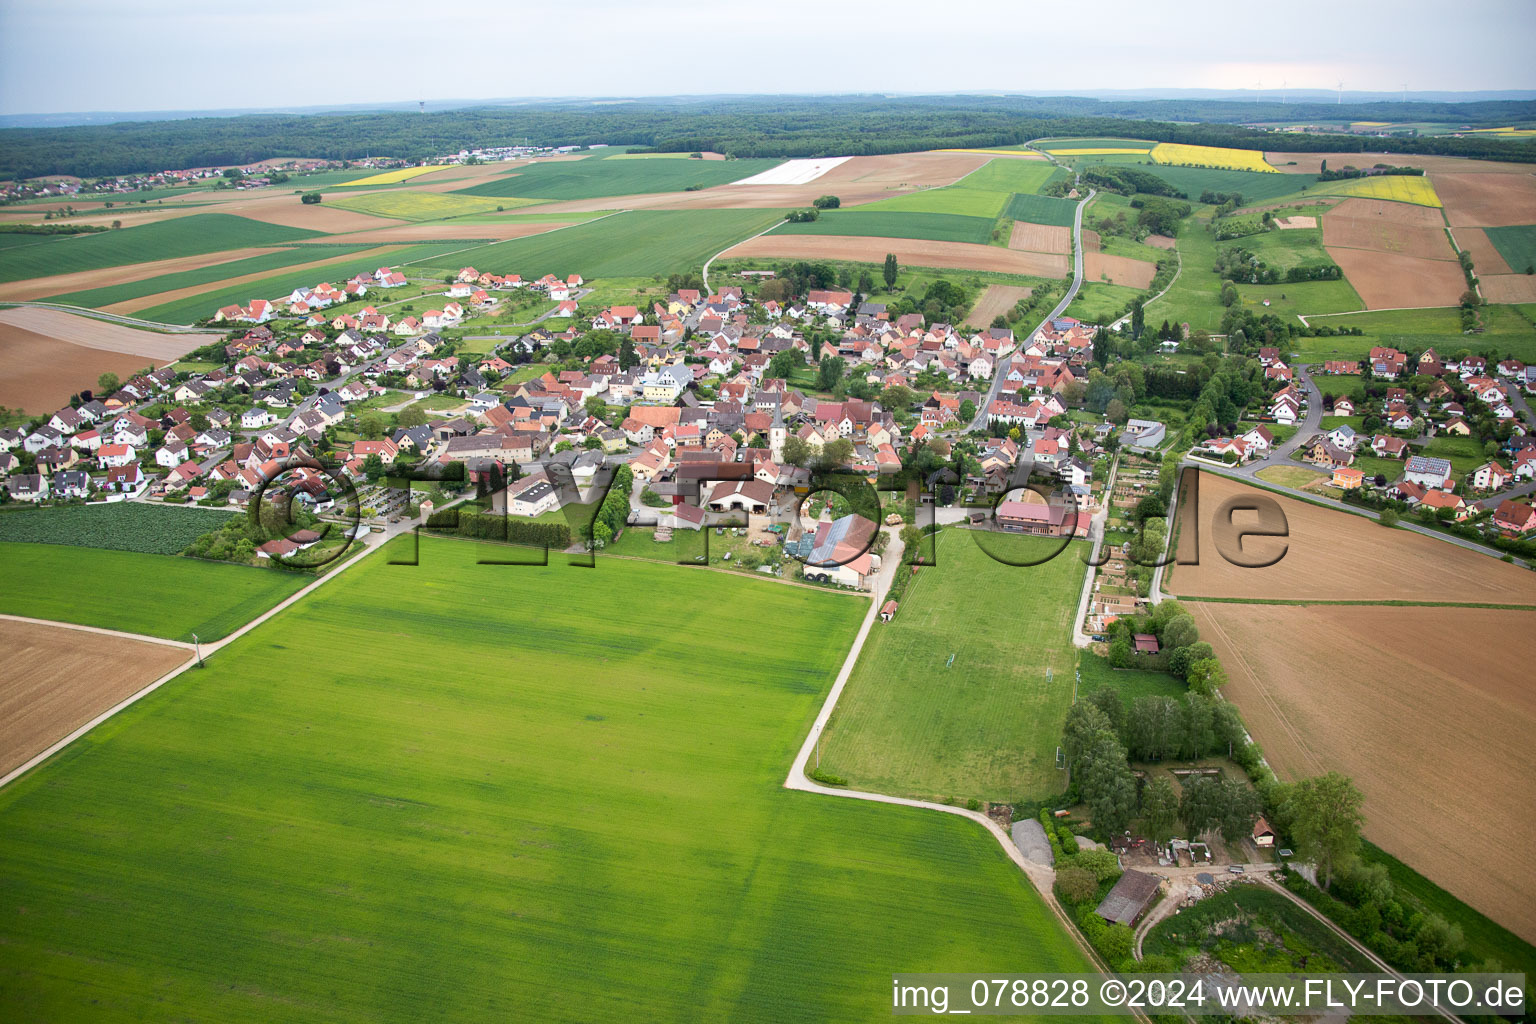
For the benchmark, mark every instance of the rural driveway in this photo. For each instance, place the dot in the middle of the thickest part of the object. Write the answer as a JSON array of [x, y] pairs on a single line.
[[980, 422]]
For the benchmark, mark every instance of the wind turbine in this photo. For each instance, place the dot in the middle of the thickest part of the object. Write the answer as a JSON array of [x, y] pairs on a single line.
[[1258, 90], [1283, 85], [1405, 92], [1341, 92]]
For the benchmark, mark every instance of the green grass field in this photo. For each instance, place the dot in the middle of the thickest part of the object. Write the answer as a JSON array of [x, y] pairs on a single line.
[[1255, 186], [196, 307], [1042, 210], [942, 227], [1099, 303], [1131, 683], [1306, 298], [1284, 249], [597, 176], [639, 243], [159, 595], [952, 199], [96, 298], [411, 797], [1052, 145], [1009, 174], [1507, 331], [1516, 244], [988, 725], [193, 235], [124, 526], [417, 206]]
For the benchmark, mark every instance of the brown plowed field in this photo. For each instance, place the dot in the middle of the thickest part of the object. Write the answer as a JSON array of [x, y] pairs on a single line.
[[1508, 287], [93, 333], [1292, 223], [1118, 269], [1383, 235], [1163, 241], [1336, 556], [1487, 200], [57, 679], [59, 284], [1310, 163], [994, 302], [958, 255], [1388, 281], [1429, 710], [38, 374], [1406, 214], [1485, 258], [289, 212], [1040, 238], [146, 301], [1091, 241]]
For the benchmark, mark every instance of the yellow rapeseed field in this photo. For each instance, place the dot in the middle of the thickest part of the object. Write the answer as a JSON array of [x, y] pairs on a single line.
[[395, 177], [1402, 188], [1210, 156], [404, 204]]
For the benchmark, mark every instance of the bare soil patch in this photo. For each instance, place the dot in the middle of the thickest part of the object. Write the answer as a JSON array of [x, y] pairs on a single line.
[[1432, 725], [994, 302], [59, 284], [289, 212], [959, 255], [1040, 238], [38, 374], [1118, 269], [93, 333], [1487, 200], [1091, 241], [147, 301], [1485, 258], [57, 679], [1383, 235], [1335, 556], [1163, 241], [1405, 214], [1311, 163], [1298, 221], [1508, 287], [1389, 281]]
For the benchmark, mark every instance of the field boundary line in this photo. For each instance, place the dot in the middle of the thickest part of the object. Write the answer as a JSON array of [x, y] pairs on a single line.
[[119, 318], [98, 629], [208, 650], [733, 245]]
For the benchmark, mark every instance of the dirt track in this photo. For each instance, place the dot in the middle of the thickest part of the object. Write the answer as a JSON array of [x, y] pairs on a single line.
[[59, 284], [958, 255], [1427, 709], [57, 679], [1040, 238], [1334, 556], [1487, 200], [1098, 266]]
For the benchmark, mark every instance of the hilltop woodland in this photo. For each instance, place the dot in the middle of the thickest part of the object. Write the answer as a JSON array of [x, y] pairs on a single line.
[[743, 127]]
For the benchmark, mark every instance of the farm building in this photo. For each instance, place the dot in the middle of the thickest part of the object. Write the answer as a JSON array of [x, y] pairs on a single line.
[[1263, 835], [1027, 517], [1129, 899], [1146, 643]]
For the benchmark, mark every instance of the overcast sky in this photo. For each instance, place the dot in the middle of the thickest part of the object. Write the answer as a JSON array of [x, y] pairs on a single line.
[[84, 55]]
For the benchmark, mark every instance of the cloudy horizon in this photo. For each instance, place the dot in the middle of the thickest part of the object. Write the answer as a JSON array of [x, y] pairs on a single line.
[[84, 55]]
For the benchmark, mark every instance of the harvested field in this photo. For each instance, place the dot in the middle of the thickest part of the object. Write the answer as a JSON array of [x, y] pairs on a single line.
[[1335, 556], [1485, 256], [39, 373], [287, 211], [59, 284], [471, 231], [994, 302], [1390, 281], [176, 294], [1375, 227], [1164, 242], [1488, 200], [57, 679], [98, 334], [1310, 163], [1040, 238], [1122, 270], [1508, 287], [1405, 214], [958, 255], [1360, 697], [1091, 241], [1289, 223]]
